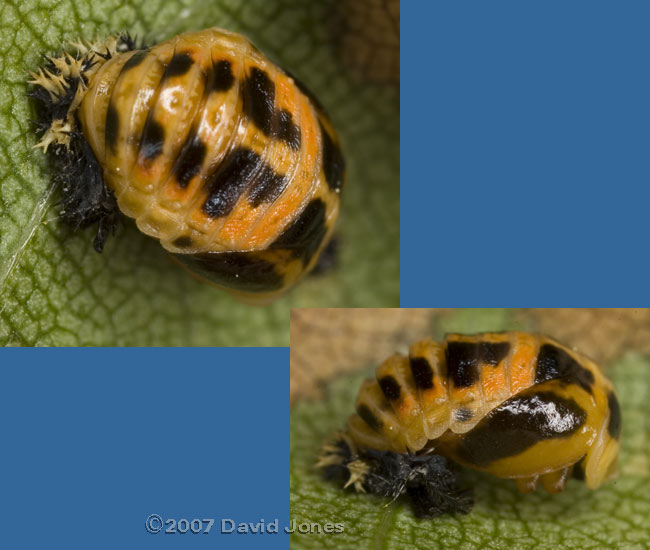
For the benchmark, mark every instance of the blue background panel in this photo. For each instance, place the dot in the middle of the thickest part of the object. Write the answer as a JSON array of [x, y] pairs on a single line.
[[525, 153], [96, 440]]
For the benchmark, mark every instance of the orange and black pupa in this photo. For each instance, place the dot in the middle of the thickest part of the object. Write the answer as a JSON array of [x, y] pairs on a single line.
[[214, 150], [515, 405]]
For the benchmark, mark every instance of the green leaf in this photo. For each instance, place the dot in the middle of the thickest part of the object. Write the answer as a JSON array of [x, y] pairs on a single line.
[[614, 516], [55, 290]]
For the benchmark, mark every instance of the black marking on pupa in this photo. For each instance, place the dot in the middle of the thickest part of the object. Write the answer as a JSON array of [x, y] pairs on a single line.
[[329, 257], [259, 105], [244, 271], [304, 235]]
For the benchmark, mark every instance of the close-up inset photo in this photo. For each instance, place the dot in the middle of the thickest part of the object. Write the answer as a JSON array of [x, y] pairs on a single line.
[[470, 428], [187, 173]]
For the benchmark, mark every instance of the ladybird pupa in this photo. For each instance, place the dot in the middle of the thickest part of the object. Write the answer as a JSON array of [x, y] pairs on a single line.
[[513, 404], [209, 146]]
